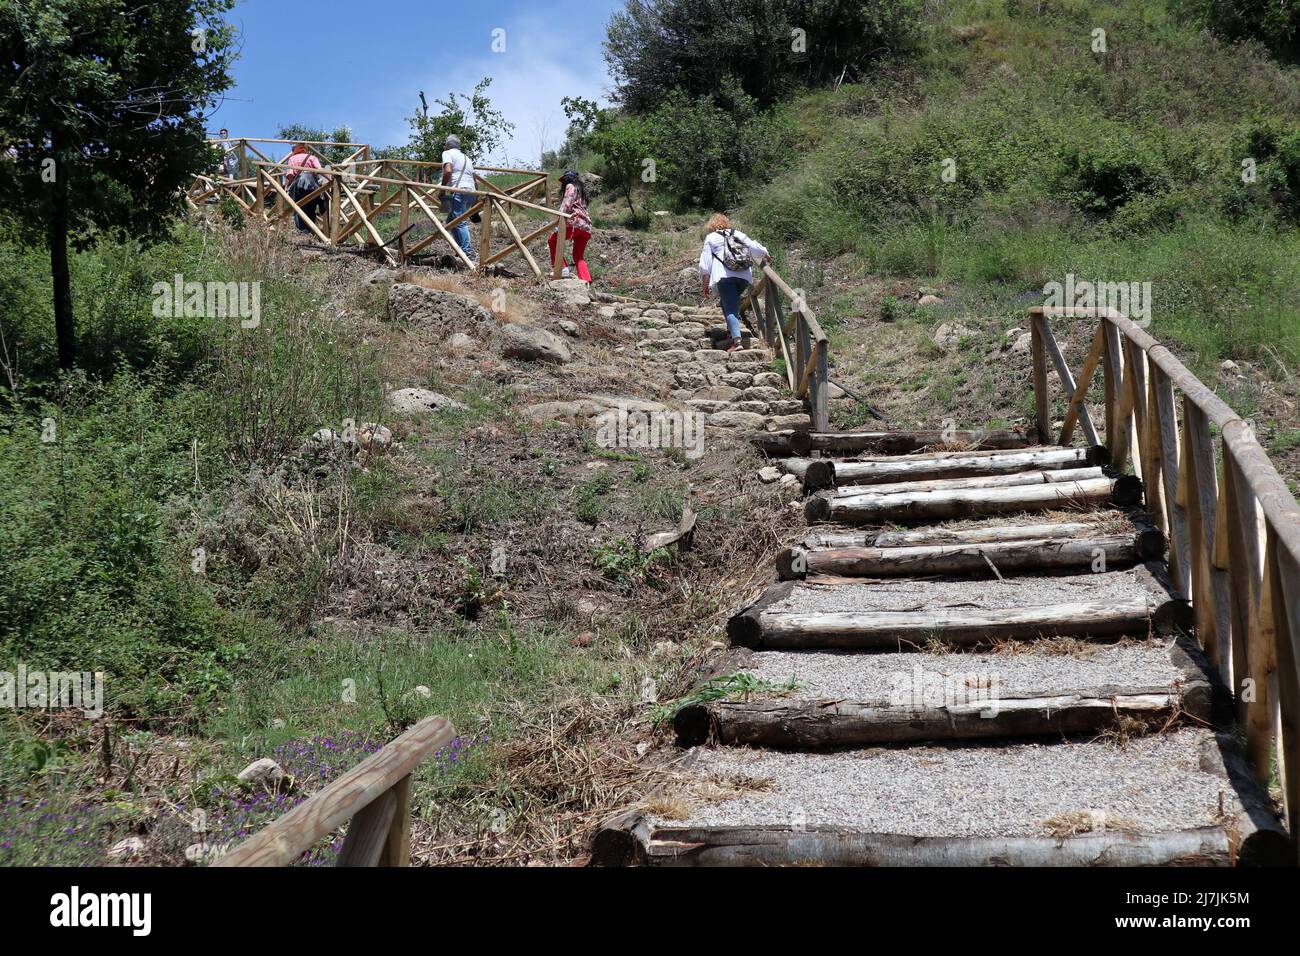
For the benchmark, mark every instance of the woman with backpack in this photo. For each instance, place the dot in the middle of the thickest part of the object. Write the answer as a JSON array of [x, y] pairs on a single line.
[[301, 180], [578, 228], [727, 263]]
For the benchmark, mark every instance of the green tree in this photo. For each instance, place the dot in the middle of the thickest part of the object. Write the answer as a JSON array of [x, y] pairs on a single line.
[[482, 128], [333, 154], [101, 105], [624, 143], [770, 46]]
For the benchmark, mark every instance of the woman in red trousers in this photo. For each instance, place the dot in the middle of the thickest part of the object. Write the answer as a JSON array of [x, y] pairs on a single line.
[[578, 228]]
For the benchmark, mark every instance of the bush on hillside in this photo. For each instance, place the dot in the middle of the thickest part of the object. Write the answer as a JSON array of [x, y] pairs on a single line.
[[707, 147]]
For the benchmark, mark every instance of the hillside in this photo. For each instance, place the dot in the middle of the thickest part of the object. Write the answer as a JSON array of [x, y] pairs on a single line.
[[183, 512]]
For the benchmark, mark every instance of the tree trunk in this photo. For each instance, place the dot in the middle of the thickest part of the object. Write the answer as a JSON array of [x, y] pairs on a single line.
[[65, 330]]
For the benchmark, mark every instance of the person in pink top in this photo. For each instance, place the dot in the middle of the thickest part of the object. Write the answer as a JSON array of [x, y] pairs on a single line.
[[578, 228], [301, 180]]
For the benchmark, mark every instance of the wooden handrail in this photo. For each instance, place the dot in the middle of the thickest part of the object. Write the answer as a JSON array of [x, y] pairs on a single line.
[[378, 836], [1232, 523], [808, 373], [358, 192]]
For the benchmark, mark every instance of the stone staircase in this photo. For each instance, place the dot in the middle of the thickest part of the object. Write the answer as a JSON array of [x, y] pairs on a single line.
[[686, 346]]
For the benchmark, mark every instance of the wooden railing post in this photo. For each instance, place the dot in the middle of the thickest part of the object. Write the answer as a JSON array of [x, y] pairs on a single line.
[[1042, 404], [1113, 375], [404, 224], [375, 796], [397, 849], [561, 248], [821, 390]]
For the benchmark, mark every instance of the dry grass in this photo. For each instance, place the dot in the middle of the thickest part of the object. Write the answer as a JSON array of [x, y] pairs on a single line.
[[507, 306], [1074, 822]]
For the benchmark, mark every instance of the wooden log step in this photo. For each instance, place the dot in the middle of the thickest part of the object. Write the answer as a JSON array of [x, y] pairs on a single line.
[[808, 725], [798, 466], [956, 625], [891, 442], [1034, 554], [870, 508], [1013, 480], [1015, 804], [642, 844], [832, 699], [826, 472], [974, 534]]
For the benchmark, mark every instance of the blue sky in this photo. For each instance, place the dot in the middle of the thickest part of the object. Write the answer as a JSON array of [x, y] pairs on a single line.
[[362, 62]]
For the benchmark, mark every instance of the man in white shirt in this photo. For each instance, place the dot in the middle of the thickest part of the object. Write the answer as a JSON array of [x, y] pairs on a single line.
[[458, 172]]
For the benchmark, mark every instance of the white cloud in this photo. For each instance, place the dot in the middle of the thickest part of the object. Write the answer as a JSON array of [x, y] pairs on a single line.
[[543, 62]]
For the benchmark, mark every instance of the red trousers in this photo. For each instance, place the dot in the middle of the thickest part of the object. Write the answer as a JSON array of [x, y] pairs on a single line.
[[580, 238]]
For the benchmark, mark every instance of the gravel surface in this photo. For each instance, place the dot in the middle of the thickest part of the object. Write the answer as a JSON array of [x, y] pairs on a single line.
[[871, 677], [1151, 784], [915, 595]]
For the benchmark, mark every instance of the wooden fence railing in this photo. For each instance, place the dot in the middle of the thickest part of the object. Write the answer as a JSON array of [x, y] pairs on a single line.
[[375, 795], [798, 338], [1233, 525], [378, 203]]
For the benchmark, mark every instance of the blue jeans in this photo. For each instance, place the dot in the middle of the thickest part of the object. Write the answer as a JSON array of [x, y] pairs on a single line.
[[730, 290], [459, 203]]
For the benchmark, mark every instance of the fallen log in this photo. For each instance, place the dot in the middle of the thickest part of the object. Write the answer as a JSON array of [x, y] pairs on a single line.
[[826, 472], [639, 842], [816, 724], [869, 508], [891, 442], [1027, 555], [758, 627], [1012, 480]]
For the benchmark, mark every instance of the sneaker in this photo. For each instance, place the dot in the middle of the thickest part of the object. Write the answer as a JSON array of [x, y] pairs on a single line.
[[736, 346], [564, 273]]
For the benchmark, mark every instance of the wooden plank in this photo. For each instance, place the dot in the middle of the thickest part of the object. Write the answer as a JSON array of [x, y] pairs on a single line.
[[284, 840]]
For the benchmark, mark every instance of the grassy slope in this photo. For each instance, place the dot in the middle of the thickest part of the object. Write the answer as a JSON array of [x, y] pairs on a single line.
[[1035, 122]]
